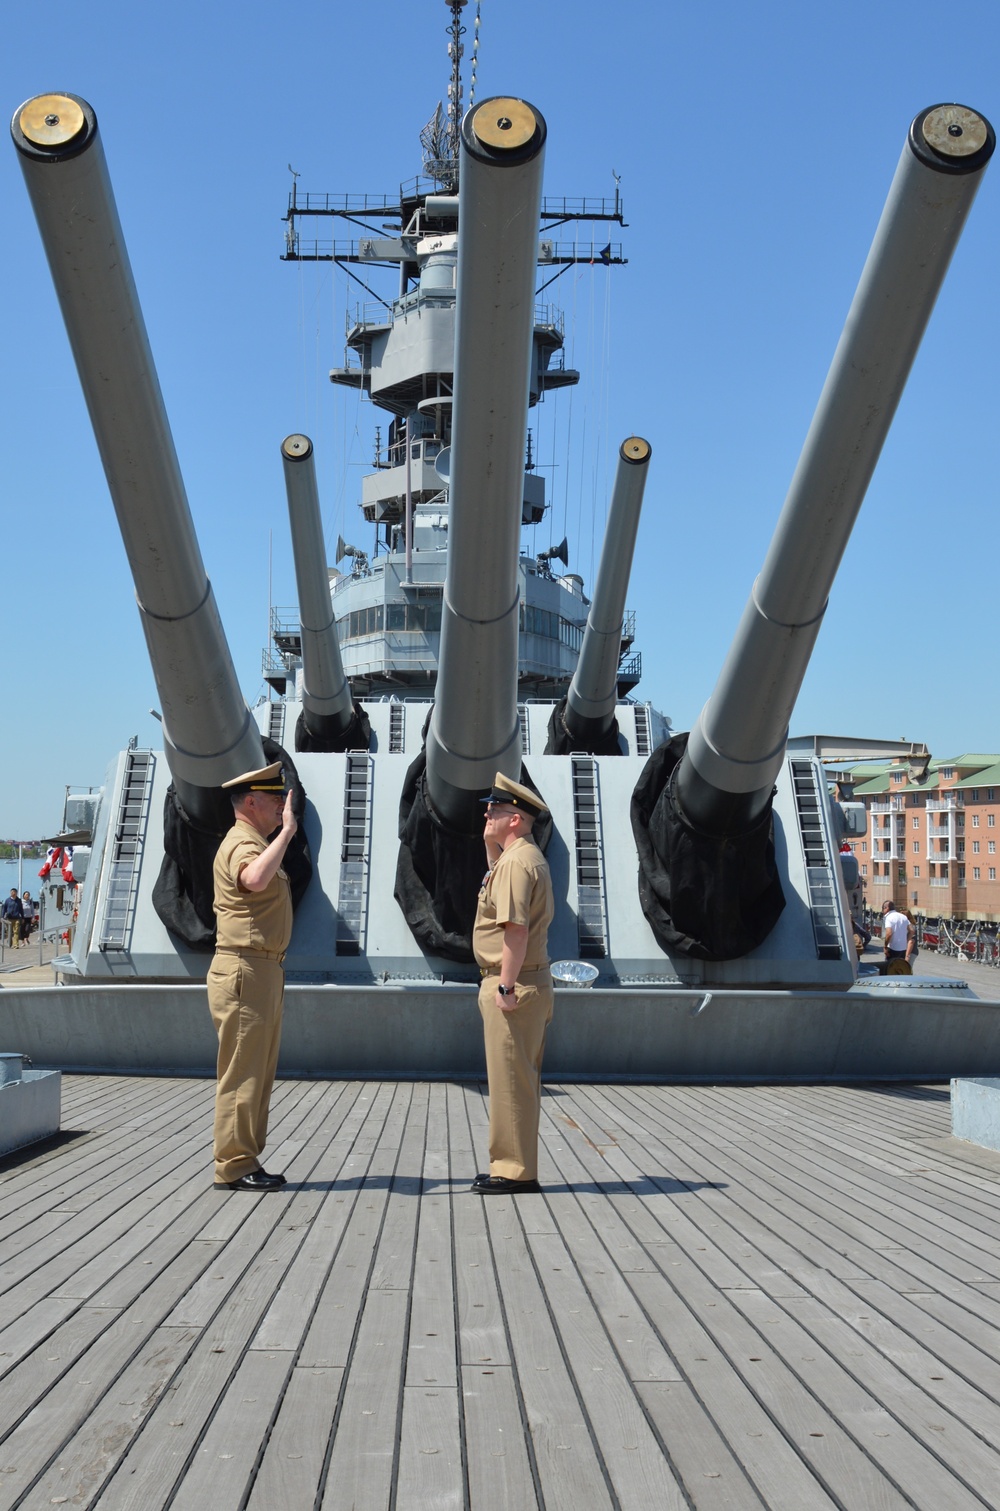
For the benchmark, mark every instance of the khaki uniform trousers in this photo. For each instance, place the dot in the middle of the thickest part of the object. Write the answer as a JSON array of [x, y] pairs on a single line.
[[245, 994], [515, 1044]]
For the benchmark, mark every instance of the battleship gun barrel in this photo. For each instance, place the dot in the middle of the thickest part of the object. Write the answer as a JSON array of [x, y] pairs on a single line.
[[327, 705], [208, 733], [474, 730], [736, 749], [593, 692]]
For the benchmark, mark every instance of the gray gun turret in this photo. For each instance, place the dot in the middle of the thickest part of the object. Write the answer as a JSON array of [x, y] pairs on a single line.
[[474, 729], [208, 733], [585, 720], [329, 718], [708, 813]]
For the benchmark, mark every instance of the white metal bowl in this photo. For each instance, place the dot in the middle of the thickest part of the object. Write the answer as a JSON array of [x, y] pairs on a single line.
[[575, 972]]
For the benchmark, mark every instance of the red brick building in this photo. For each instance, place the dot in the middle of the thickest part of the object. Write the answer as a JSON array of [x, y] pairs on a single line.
[[933, 839]]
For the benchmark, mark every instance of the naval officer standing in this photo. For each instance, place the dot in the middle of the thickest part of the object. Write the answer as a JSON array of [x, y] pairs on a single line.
[[510, 942], [246, 980]]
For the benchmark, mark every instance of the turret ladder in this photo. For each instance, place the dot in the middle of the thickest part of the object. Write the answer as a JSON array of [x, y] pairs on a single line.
[[126, 851], [592, 910]]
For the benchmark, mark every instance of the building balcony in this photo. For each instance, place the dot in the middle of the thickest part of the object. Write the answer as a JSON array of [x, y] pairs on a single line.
[[893, 805], [945, 804]]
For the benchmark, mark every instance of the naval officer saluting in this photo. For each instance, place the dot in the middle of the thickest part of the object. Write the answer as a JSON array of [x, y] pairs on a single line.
[[246, 980], [510, 943]]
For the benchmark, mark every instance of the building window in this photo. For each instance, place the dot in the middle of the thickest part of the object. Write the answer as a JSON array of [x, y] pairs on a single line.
[[991, 846], [916, 822], [897, 776], [947, 773], [961, 876], [901, 873], [993, 873], [975, 821], [975, 794], [864, 870], [916, 870], [991, 821], [864, 847], [975, 873], [916, 847], [975, 847], [991, 794], [961, 847]]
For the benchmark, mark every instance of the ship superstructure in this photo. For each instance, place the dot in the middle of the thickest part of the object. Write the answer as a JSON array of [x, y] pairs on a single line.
[[400, 352]]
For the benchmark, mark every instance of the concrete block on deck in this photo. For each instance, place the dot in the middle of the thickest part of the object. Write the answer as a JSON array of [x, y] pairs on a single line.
[[30, 1108], [975, 1110]]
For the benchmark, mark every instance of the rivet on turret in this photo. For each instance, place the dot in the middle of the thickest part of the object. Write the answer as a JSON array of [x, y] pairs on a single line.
[[954, 129]]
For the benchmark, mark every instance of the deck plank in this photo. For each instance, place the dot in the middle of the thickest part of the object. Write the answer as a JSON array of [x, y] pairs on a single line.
[[295, 1453], [430, 1450], [363, 1462]]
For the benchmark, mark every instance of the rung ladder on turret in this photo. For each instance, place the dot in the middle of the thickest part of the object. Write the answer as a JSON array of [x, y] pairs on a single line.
[[592, 912], [522, 718], [355, 856], [643, 734], [397, 729], [126, 851], [276, 723], [819, 876]]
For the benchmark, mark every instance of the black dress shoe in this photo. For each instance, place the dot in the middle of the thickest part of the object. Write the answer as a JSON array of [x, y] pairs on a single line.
[[499, 1185], [255, 1180], [279, 1178]]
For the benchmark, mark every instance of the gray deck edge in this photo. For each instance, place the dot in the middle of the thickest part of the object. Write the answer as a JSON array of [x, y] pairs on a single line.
[[638, 1035]]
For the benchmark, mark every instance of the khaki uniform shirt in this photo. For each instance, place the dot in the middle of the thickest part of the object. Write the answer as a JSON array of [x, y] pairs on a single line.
[[517, 890], [249, 920]]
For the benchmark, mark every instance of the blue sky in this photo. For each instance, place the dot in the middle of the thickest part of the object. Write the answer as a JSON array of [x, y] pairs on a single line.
[[755, 145]]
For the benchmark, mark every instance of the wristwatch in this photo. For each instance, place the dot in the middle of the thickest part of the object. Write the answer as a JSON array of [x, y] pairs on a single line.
[[505, 991]]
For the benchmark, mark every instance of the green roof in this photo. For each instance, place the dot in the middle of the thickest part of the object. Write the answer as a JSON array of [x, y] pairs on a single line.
[[986, 776], [872, 778]]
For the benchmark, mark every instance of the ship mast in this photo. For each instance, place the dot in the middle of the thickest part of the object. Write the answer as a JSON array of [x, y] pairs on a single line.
[[456, 51]]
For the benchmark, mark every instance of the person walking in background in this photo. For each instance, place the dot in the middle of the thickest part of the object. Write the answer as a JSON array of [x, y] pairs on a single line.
[[510, 943], [897, 932], [11, 913], [27, 916]]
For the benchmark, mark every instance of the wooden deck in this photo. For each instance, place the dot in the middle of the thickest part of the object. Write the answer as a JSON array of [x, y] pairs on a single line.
[[726, 1297]]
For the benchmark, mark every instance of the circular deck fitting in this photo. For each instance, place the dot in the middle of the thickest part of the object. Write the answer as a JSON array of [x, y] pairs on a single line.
[[51, 120], [504, 124], [296, 447], [574, 972], [635, 449], [954, 130]]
